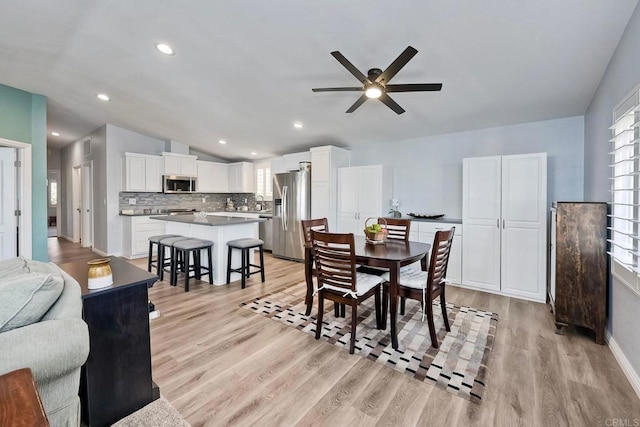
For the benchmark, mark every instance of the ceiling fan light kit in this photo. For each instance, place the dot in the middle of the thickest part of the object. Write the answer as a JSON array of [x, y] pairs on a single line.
[[375, 83]]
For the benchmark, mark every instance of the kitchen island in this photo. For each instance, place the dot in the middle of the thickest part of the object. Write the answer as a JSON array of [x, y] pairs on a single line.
[[218, 229]]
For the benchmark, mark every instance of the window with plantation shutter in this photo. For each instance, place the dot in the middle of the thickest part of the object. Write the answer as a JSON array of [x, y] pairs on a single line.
[[625, 190], [263, 180]]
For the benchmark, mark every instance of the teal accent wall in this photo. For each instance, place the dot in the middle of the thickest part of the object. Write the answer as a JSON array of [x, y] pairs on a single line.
[[23, 118]]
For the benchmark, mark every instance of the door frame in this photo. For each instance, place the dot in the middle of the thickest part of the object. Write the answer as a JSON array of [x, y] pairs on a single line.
[[79, 176], [25, 220]]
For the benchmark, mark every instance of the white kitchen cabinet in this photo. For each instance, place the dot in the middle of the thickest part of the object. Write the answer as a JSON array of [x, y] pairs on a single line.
[[325, 162], [504, 206], [277, 165], [136, 231], [142, 173], [213, 177], [180, 164], [363, 192], [292, 161], [426, 231], [241, 177]]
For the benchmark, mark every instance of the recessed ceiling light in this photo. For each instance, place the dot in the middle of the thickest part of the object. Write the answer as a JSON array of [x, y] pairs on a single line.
[[222, 141], [165, 48], [103, 97], [297, 125], [55, 134], [253, 153]]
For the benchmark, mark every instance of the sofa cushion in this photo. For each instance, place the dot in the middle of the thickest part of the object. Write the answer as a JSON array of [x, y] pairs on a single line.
[[12, 267], [26, 298]]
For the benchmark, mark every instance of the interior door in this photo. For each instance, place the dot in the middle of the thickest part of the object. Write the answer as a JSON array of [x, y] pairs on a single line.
[[8, 202], [348, 180], [481, 188], [524, 225]]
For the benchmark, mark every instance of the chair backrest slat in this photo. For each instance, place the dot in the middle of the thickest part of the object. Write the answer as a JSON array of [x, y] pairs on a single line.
[[439, 260], [397, 228], [335, 259], [321, 224]]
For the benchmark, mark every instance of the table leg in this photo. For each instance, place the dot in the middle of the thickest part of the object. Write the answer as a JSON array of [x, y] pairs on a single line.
[[393, 295], [308, 275]]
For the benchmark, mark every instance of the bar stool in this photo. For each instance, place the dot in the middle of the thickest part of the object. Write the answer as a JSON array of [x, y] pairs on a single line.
[[165, 243], [245, 270], [155, 240], [182, 251]]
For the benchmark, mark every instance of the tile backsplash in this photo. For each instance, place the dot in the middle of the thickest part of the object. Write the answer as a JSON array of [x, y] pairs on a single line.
[[162, 201]]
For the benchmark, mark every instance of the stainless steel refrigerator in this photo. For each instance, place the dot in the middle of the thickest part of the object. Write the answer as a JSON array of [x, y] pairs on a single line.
[[291, 204]]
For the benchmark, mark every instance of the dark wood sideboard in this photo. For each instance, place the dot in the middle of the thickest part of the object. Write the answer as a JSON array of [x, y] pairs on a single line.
[[578, 266], [116, 380]]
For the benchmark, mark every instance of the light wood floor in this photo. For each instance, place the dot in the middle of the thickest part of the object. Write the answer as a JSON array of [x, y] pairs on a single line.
[[219, 364]]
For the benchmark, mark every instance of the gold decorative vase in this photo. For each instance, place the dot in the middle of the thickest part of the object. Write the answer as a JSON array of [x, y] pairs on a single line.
[[99, 275]]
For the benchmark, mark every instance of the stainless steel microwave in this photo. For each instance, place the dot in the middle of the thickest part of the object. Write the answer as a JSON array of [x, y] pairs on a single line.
[[178, 184]]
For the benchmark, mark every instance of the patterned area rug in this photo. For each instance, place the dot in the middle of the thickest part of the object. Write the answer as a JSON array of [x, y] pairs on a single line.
[[458, 366]]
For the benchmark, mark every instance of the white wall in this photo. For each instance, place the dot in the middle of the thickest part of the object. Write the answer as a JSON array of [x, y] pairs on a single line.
[[621, 76], [71, 156], [428, 171]]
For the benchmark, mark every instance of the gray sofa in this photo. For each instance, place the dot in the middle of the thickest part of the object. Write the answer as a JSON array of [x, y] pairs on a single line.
[[42, 329]]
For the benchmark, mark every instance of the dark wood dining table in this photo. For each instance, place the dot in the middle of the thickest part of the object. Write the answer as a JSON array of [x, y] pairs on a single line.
[[391, 255]]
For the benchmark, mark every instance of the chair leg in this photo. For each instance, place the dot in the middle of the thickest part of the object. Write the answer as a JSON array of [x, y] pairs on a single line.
[[161, 261], [343, 310], [320, 313], [173, 269], [378, 309], [229, 265], [403, 300], [432, 329], [336, 309], [187, 256], [262, 263], [385, 306], [354, 320], [150, 254], [242, 272], [209, 252], [197, 262], [159, 266], [443, 305]]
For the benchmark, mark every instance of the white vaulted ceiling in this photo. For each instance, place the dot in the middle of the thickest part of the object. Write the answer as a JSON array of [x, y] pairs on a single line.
[[243, 70]]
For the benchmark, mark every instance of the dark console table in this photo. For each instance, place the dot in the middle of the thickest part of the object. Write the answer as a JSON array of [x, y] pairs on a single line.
[[116, 380]]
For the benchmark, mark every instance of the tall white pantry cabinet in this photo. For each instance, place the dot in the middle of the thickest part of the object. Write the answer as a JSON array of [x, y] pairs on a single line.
[[504, 221]]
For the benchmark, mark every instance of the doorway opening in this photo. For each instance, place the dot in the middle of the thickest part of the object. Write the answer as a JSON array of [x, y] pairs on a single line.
[[53, 206], [15, 203]]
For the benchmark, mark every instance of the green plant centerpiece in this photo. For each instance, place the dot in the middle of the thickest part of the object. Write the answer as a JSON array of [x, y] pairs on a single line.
[[375, 232]]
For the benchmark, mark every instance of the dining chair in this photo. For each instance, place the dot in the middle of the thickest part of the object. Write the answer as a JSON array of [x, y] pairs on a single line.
[[339, 281], [397, 228], [321, 224], [425, 286]]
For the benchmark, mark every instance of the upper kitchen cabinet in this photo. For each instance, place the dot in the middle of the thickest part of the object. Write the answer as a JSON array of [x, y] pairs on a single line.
[[180, 164], [363, 192], [292, 161], [142, 172], [277, 165], [213, 177], [325, 162], [241, 177], [504, 205]]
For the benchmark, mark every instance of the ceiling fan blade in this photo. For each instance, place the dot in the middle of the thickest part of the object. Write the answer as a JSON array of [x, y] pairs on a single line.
[[356, 104], [386, 100], [415, 87], [396, 65], [350, 67], [338, 89]]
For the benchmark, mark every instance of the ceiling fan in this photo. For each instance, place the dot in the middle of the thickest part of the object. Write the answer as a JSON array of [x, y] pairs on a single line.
[[375, 83]]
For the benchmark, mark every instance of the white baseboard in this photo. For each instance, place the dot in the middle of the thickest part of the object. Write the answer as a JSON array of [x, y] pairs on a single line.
[[628, 370], [99, 252], [69, 238]]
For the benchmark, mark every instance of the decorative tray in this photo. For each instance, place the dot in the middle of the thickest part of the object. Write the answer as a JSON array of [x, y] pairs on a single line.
[[423, 215]]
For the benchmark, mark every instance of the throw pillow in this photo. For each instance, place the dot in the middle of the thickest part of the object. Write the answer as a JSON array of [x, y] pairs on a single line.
[[27, 297]]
